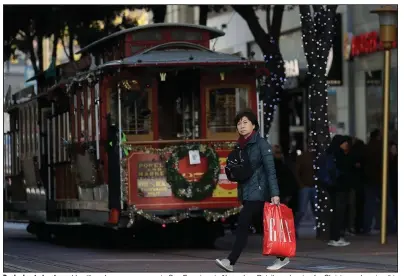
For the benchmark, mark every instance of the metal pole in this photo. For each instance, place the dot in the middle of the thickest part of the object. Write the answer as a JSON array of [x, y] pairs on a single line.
[[120, 141], [97, 127], [386, 113]]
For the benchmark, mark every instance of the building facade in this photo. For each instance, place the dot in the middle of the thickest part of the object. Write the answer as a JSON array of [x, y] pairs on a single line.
[[355, 96], [290, 126], [185, 14], [366, 62]]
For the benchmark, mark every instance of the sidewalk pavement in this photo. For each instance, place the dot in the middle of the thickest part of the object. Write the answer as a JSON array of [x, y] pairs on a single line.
[[364, 254]]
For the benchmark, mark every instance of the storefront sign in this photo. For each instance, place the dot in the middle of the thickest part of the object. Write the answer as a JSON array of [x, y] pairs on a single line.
[[291, 68], [366, 43]]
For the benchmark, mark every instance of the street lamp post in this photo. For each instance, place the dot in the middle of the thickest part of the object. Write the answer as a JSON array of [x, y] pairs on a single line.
[[388, 34]]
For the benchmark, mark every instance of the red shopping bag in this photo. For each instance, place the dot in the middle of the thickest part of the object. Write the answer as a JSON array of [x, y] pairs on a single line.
[[279, 231]]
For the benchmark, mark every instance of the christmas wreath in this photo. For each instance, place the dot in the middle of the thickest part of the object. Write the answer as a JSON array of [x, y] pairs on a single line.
[[197, 190]]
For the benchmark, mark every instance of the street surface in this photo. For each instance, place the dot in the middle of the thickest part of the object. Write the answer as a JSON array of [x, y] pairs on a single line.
[[24, 253]]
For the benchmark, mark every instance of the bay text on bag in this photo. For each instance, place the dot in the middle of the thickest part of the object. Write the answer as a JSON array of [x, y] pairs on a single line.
[[285, 234]]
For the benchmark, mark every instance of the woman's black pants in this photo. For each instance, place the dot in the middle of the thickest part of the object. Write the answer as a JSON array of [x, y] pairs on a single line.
[[249, 211]]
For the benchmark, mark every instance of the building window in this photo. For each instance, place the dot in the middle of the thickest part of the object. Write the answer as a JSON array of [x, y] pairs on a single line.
[[374, 102], [223, 105]]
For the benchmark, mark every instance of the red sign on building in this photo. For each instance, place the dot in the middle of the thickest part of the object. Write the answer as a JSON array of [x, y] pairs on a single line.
[[367, 43]]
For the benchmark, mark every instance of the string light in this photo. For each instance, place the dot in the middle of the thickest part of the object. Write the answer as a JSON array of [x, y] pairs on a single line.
[[318, 31], [272, 85]]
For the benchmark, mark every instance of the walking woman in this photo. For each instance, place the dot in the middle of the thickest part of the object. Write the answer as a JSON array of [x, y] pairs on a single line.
[[261, 186]]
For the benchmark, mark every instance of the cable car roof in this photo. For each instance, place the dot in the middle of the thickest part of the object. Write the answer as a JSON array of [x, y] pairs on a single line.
[[173, 54], [197, 55], [214, 33]]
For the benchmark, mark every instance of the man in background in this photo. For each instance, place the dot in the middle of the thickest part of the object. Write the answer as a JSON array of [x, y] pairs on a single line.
[[373, 172], [307, 191]]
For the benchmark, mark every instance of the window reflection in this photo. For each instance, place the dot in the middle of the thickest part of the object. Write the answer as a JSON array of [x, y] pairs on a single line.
[[374, 100], [224, 103]]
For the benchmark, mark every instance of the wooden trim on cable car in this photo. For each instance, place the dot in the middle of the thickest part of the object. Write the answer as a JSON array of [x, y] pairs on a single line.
[[223, 135], [182, 141]]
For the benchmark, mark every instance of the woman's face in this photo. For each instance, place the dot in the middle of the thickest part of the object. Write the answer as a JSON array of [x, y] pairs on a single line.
[[245, 127], [393, 150]]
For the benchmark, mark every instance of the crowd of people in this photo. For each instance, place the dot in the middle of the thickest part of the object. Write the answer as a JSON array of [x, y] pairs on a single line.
[[356, 195]]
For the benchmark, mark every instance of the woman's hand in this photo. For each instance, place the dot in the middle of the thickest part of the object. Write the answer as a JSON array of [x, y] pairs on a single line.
[[275, 200]]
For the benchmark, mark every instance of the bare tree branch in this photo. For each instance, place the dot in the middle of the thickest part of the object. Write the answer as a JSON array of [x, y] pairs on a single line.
[[318, 8], [268, 17], [203, 14], [332, 8], [159, 13], [277, 22], [248, 14], [308, 33]]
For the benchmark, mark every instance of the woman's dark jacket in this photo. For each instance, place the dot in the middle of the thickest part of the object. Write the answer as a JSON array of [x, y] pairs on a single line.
[[263, 183]]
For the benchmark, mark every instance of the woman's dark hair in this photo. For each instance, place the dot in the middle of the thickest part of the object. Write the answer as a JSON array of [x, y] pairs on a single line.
[[250, 115]]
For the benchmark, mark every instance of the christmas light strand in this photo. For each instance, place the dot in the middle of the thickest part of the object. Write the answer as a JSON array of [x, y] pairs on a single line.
[[272, 86], [318, 31]]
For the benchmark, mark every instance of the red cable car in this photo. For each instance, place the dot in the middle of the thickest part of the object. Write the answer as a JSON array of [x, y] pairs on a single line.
[[139, 134]]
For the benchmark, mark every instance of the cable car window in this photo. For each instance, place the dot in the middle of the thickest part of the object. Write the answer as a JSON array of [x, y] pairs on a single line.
[[183, 35], [223, 105], [136, 115], [150, 35], [135, 49]]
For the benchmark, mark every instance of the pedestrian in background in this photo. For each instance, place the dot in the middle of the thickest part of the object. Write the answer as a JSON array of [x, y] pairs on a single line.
[[260, 187], [359, 182], [334, 176], [307, 192], [373, 171], [287, 182], [393, 178]]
